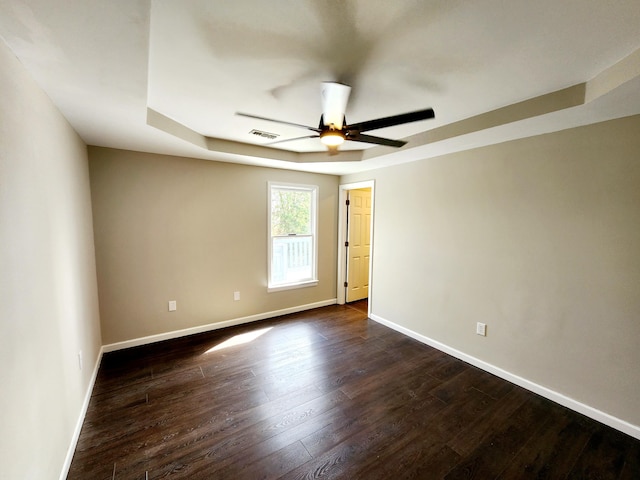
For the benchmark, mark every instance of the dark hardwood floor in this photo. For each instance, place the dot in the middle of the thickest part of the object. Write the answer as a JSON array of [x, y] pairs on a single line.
[[328, 394], [362, 305]]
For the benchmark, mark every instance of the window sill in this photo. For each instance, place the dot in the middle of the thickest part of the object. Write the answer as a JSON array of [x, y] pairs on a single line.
[[291, 286]]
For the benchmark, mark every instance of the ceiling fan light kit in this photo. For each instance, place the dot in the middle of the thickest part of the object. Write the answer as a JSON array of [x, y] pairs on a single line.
[[332, 138], [333, 129]]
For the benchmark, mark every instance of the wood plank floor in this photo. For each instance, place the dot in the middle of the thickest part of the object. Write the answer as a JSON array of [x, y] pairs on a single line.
[[327, 394]]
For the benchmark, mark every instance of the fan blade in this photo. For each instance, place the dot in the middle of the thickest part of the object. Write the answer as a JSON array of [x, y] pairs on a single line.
[[313, 129], [291, 139], [359, 137], [334, 103], [393, 120]]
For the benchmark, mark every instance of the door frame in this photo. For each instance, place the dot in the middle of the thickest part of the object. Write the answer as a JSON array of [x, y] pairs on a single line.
[[342, 231]]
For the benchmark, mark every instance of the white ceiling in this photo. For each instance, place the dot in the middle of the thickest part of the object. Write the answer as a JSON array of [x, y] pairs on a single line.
[[167, 76]]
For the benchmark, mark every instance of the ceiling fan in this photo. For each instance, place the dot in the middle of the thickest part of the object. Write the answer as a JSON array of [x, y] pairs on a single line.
[[333, 129]]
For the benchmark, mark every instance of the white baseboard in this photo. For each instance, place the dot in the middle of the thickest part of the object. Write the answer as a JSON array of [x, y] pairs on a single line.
[[83, 413], [214, 326], [594, 413]]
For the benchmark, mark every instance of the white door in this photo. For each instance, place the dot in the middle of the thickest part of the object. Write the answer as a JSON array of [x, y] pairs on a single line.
[[359, 244]]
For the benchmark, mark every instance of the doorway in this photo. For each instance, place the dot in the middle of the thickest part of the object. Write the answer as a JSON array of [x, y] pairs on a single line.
[[355, 243]]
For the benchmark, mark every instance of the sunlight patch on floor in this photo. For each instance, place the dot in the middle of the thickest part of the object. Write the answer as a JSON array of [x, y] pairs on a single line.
[[239, 339]]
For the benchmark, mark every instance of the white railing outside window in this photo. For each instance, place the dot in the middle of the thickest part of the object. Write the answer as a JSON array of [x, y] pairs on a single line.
[[291, 259]]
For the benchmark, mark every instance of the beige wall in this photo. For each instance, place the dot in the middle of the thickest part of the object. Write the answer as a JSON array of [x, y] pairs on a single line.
[[538, 238], [48, 292], [194, 231]]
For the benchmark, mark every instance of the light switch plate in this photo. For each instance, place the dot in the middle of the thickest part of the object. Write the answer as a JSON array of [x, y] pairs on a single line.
[[481, 329]]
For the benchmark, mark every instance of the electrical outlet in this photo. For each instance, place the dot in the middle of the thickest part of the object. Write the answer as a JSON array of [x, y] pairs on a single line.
[[236, 296], [80, 359], [481, 329], [172, 306]]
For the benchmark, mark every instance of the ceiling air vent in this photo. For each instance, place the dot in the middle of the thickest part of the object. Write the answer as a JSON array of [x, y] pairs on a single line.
[[260, 133]]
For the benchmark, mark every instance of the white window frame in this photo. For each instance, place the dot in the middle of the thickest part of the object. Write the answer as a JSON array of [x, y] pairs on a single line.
[[310, 282]]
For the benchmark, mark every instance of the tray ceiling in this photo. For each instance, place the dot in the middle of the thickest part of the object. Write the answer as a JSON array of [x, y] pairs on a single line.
[[167, 77]]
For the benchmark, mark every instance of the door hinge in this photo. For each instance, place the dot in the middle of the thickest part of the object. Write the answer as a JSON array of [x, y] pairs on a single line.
[[347, 202], [346, 284], [346, 244]]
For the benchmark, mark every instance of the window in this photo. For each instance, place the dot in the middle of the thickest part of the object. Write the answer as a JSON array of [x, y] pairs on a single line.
[[292, 236]]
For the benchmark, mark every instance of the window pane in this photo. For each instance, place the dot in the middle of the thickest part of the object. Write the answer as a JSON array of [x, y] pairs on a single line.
[[290, 212], [292, 231], [291, 259]]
